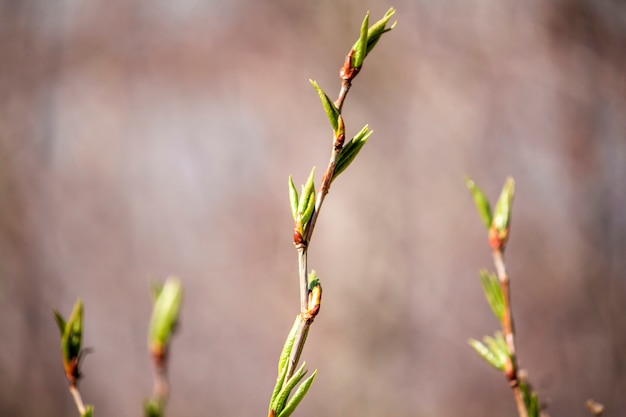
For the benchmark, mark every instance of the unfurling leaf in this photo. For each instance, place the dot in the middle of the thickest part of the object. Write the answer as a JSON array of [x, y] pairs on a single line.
[[481, 202], [283, 362], [279, 402], [165, 315], [306, 203], [373, 36], [293, 199], [331, 110], [298, 396], [351, 150], [71, 340], [494, 350], [502, 211], [493, 293], [360, 47]]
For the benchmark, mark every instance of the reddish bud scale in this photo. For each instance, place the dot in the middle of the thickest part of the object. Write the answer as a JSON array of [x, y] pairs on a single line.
[[348, 72], [159, 355], [297, 237], [71, 372], [339, 140], [498, 238]]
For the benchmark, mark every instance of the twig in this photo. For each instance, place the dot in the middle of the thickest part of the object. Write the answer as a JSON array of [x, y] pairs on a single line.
[[306, 316], [77, 399], [511, 370], [155, 406], [161, 387]]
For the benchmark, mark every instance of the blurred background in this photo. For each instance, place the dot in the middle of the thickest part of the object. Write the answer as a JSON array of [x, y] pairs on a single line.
[[142, 139]]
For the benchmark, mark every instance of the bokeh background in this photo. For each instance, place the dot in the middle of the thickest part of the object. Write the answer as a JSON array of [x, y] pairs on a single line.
[[142, 139]]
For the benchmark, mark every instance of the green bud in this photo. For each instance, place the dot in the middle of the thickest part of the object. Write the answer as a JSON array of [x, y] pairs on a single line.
[[71, 340], [502, 212], [165, 315], [306, 204], [313, 280]]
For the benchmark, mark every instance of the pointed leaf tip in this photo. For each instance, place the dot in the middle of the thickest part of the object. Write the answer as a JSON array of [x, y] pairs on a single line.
[[351, 150], [60, 321], [298, 396], [502, 211], [293, 198], [360, 48], [480, 201], [332, 112]]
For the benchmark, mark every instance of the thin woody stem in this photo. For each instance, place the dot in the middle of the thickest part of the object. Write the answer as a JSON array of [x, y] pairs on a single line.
[[298, 345], [161, 387], [507, 320], [77, 399], [306, 318], [508, 328], [345, 87], [303, 327], [304, 281]]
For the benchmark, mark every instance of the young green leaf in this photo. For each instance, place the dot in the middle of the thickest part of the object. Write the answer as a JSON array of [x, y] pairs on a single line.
[[282, 373], [502, 211], [307, 189], [360, 47], [531, 400], [331, 110], [313, 280], [279, 402], [298, 396], [60, 321], [497, 344], [283, 361], [493, 293], [71, 341], [88, 411], [306, 204], [165, 315], [293, 198], [375, 32], [310, 208], [481, 202], [153, 408], [351, 150], [492, 358]]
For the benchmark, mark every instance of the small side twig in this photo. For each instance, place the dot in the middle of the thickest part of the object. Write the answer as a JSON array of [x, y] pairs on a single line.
[[77, 399], [163, 323], [501, 352], [347, 74], [306, 208], [508, 328], [72, 353], [161, 387]]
